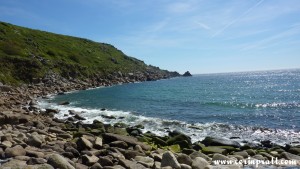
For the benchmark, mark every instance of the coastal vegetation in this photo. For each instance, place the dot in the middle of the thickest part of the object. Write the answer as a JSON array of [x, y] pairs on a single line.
[[28, 56]]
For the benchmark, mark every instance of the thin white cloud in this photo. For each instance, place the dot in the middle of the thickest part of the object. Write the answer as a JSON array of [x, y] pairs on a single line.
[[237, 19], [180, 7], [203, 25], [273, 40]]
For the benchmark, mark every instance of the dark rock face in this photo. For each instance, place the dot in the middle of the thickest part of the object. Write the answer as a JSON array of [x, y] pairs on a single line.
[[186, 74]]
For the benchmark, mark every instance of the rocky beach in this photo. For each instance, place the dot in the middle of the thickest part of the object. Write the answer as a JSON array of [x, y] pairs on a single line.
[[33, 138]]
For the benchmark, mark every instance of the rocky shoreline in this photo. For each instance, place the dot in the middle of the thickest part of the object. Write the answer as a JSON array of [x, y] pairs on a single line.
[[34, 138]]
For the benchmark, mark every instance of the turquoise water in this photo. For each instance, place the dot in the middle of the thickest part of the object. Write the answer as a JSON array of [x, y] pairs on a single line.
[[252, 105]]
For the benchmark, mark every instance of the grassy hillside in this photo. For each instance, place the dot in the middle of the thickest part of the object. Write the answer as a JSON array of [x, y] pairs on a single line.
[[27, 54]]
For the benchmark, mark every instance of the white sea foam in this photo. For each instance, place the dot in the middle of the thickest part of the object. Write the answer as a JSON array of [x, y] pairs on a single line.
[[197, 131]]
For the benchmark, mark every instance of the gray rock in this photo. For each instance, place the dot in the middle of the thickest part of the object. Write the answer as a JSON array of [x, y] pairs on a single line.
[[125, 163], [15, 151], [83, 144], [73, 151], [78, 117], [34, 140], [58, 161], [98, 143], [137, 166], [109, 137], [89, 160], [56, 130], [244, 154], [184, 159], [157, 165], [35, 154], [105, 161], [129, 154], [217, 157], [33, 161], [65, 136], [80, 166], [146, 161], [96, 166], [168, 159], [214, 141], [6, 144], [199, 154], [185, 166], [259, 157], [199, 163], [119, 144]]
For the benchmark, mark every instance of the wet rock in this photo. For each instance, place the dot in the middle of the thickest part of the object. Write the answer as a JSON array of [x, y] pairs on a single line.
[[78, 117], [48, 111], [64, 103], [58, 161], [214, 141], [15, 151], [168, 159]]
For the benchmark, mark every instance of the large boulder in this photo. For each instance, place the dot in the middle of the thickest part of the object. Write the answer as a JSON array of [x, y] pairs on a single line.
[[215, 141], [58, 161], [168, 159]]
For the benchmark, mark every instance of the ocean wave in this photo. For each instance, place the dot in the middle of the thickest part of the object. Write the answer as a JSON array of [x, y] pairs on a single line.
[[197, 131]]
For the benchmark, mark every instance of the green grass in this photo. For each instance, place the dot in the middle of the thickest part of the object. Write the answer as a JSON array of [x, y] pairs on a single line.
[[26, 54]]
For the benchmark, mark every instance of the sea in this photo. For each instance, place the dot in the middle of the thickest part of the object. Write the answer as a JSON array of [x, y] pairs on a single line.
[[245, 106]]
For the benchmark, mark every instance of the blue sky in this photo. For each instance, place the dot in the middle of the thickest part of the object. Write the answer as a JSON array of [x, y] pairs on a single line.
[[202, 36]]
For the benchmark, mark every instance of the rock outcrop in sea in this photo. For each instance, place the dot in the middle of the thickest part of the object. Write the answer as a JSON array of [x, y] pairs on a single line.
[[186, 74]]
